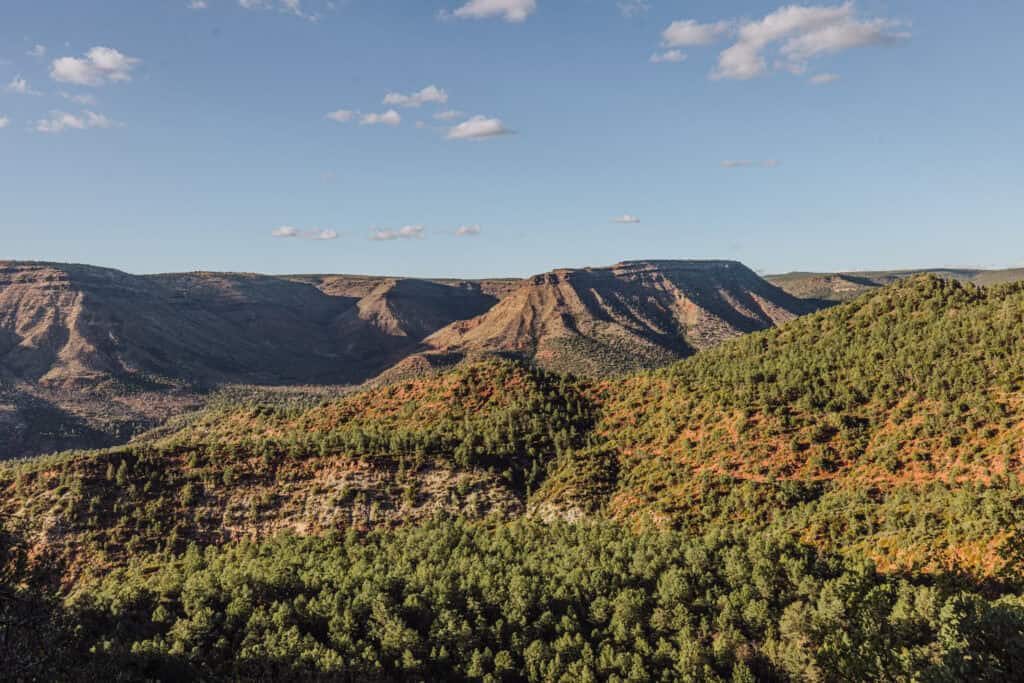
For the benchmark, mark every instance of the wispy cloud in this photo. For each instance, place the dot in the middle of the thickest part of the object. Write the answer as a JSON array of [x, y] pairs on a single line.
[[478, 128], [467, 231], [690, 33], [290, 232], [341, 115], [198, 4], [823, 79], [60, 121], [626, 218], [20, 86], [293, 7], [4, 122], [746, 163], [408, 232], [786, 39], [447, 115], [514, 11], [431, 93], [83, 99], [668, 57], [631, 8], [804, 33], [38, 51], [100, 65], [388, 118]]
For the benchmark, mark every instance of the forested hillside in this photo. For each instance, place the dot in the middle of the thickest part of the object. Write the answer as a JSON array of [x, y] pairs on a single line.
[[836, 499]]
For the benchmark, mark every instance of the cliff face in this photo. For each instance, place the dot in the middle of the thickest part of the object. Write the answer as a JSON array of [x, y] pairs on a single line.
[[627, 316]]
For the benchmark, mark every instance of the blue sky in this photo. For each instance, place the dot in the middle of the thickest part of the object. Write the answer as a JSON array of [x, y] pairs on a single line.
[[155, 136]]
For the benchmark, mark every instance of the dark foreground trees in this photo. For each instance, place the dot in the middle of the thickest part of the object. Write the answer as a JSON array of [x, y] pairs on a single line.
[[526, 601]]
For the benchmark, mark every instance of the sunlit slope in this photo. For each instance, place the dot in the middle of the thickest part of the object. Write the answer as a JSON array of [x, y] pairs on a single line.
[[894, 422]]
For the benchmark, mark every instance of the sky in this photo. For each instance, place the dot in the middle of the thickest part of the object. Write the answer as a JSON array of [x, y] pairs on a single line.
[[477, 138]]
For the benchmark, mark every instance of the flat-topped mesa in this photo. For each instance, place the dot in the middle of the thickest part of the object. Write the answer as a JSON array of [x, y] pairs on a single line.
[[623, 317]]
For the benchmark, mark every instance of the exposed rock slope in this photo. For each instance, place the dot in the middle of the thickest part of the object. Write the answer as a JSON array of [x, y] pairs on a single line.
[[628, 316]]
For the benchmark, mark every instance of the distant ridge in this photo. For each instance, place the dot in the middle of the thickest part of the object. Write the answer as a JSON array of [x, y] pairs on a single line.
[[839, 287], [632, 315]]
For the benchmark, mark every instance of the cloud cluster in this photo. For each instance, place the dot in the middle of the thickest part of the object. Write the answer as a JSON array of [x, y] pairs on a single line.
[[478, 128], [514, 11], [408, 232], [626, 219], [289, 232], [431, 93], [60, 121], [100, 65], [786, 39], [474, 128]]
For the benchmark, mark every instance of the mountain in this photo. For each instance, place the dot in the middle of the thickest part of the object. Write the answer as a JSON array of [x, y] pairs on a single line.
[[838, 287], [599, 321], [89, 355], [871, 426], [838, 498]]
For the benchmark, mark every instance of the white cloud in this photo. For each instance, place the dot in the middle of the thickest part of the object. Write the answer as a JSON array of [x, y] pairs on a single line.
[[408, 232], [823, 79], [805, 33], [60, 121], [341, 115], [746, 163], [510, 10], [4, 122], [626, 218], [20, 86], [197, 4], [37, 51], [288, 232], [631, 8], [293, 7], [467, 231], [668, 57], [100, 65], [688, 33], [478, 128], [447, 115], [388, 118], [431, 93], [79, 99]]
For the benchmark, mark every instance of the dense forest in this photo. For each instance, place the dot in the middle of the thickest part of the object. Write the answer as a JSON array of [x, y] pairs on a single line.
[[836, 499]]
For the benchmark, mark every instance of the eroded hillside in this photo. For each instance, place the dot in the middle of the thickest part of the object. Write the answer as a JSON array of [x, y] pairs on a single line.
[[888, 428]]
